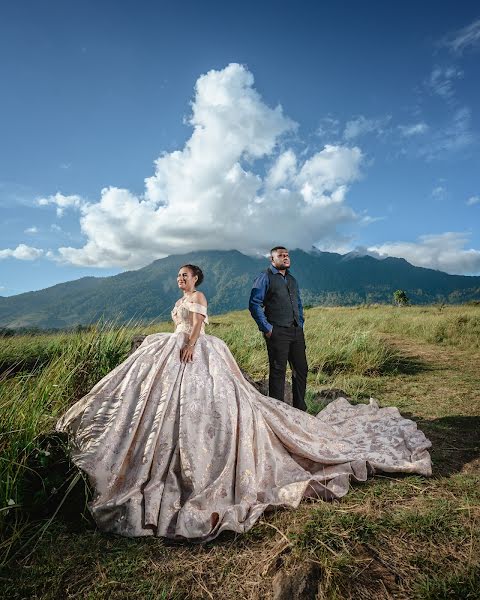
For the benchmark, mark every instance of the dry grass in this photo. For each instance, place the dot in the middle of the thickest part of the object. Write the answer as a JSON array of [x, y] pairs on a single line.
[[389, 538], [403, 537]]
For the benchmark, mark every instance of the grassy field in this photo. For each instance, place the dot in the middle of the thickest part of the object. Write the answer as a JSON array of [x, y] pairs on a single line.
[[402, 537]]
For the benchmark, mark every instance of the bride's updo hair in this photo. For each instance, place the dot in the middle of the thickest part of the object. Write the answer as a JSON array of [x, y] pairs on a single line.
[[196, 271]]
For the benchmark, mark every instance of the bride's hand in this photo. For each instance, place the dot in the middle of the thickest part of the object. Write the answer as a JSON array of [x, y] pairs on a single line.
[[186, 353]]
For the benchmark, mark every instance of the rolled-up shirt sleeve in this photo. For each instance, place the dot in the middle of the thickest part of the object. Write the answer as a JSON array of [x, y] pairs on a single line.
[[257, 298]]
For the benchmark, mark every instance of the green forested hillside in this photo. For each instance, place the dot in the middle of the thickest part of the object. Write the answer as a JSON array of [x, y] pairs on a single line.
[[149, 293]]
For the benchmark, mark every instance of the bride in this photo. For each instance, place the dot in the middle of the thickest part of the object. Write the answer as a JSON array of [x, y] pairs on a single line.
[[176, 443]]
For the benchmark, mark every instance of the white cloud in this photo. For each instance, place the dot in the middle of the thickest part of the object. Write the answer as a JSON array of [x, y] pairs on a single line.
[[455, 136], [368, 220], [328, 172], [283, 170], [328, 128], [439, 192], [55, 227], [21, 252], [460, 40], [207, 194], [414, 129], [62, 202], [364, 251], [33, 229], [361, 126], [445, 252], [441, 81], [473, 200]]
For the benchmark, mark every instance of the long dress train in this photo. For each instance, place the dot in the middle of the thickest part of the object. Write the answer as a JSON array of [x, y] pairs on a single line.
[[187, 450]]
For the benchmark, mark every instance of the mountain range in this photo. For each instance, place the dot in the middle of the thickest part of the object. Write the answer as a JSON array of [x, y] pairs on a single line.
[[325, 278]]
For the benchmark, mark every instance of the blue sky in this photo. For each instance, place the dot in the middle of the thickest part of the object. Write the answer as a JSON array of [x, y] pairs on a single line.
[[130, 131]]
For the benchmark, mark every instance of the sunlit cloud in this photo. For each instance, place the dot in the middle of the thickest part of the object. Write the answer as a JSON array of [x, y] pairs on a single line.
[[62, 202], [445, 252], [21, 252], [236, 183]]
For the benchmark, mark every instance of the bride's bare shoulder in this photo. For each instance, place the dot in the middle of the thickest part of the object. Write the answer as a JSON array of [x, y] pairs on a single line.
[[199, 298]]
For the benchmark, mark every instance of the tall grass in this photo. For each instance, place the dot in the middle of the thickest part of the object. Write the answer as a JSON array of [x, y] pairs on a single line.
[[26, 352], [377, 524], [31, 402], [335, 345], [457, 326], [345, 348]]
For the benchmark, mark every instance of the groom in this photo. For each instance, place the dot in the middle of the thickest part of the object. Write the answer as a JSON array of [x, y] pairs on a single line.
[[276, 306]]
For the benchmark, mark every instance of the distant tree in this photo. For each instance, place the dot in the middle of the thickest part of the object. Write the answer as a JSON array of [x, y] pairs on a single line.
[[400, 298]]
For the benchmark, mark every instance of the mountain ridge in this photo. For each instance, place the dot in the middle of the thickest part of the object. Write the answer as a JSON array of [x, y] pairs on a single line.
[[325, 278]]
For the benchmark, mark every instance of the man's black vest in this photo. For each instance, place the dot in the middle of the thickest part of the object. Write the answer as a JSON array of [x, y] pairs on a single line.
[[281, 300]]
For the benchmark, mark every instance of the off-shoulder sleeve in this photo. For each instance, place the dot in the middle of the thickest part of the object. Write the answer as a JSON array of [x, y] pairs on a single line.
[[197, 308]]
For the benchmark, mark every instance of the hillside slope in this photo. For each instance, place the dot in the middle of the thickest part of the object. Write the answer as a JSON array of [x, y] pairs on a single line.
[[150, 292]]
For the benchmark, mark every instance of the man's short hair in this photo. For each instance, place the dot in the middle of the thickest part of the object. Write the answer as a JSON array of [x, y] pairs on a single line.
[[277, 248]]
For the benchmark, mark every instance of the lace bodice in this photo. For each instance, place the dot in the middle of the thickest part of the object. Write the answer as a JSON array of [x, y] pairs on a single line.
[[182, 315]]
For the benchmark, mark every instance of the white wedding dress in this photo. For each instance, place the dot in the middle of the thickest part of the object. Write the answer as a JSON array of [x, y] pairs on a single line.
[[187, 450]]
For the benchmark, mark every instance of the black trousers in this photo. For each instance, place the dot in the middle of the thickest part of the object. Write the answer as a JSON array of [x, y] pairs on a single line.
[[287, 344]]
